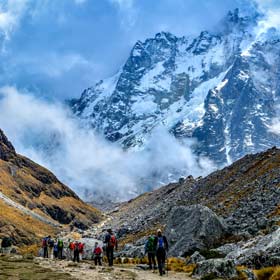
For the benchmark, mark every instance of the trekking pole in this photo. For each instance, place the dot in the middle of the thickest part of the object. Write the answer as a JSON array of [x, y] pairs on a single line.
[[166, 264]]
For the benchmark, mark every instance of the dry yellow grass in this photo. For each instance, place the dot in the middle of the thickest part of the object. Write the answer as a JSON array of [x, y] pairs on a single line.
[[268, 273], [17, 221]]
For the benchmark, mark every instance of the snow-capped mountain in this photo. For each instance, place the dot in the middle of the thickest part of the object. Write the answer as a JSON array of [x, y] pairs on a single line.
[[221, 88]]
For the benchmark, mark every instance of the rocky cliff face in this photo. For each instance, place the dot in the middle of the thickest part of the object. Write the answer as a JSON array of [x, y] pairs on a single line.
[[221, 88], [33, 201]]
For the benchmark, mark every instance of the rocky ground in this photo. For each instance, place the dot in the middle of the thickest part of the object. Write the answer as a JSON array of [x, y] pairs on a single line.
[[16, 267]]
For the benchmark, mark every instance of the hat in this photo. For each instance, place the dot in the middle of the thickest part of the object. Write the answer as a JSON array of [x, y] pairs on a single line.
[[159, 230]]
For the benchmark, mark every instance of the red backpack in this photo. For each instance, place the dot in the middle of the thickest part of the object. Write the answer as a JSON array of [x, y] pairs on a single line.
[[97, 251], [44, 243], [71, 246], [112, 242], [81, 247]]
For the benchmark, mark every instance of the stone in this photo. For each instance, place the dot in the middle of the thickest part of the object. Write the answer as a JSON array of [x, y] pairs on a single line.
[[217, 268], [193, 228]]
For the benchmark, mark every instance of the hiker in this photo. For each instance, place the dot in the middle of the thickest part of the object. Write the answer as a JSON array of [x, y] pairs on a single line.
[[81, 250], [55, 249], [161, 250], [97, 254], [110, 243], [60, 246], [45, 246], [76, 251], [71, 248], [150, 249], [50, 247], [6, 245]]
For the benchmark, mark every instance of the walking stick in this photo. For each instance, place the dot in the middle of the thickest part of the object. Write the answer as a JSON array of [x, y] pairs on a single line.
[[166, 264]]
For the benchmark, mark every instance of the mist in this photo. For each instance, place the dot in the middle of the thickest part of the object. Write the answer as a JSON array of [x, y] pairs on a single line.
[[50, 135]]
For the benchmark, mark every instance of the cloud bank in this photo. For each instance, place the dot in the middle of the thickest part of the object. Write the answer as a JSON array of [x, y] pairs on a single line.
[[50, 135]]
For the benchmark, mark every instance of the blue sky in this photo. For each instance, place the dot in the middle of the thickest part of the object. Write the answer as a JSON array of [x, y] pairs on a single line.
[[56, 48]]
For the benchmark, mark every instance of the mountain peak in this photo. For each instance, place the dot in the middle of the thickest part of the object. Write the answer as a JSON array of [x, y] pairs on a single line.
[[165, 35]]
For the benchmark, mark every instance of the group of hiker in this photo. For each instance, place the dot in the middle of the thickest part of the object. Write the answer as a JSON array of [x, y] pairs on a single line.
[[156, 247], [55, 249]]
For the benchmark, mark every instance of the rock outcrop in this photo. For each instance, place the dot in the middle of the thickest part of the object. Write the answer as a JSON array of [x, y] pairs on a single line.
[[215, 268], [192, 228]]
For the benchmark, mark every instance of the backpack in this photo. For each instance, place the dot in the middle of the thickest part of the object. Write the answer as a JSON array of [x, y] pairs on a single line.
[[160, 242], [51, 243], [81, 247], [151, 244], [97, 251], [55, 248], [112, 242], [60, 244], [44, 242], [71, 246]]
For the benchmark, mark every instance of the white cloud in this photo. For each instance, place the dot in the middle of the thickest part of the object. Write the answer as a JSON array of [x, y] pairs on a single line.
[[271, 11], [48, 133], [11, 12], [127, 11]]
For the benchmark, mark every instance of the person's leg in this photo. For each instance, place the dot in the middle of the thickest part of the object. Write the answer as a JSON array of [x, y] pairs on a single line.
[[112, 256], [95, 260], [45, 252], [159, 261], [163, 261], [99, 261], [154, 260], [150, 260], [108, 255]]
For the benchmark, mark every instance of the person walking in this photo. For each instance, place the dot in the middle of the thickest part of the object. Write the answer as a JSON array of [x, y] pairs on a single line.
[[76, 251], [161, 250], [71, 248], [150, 249], [45, 246], [97, 254], [111, 244], [60, 246], [81, 250], [55, 250], [50, 247]]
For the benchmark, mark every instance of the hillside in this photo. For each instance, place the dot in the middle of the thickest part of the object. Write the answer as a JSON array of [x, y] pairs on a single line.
[[33, 202], [244, 198]]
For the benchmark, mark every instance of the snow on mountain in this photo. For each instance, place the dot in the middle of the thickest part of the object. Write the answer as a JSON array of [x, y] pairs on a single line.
[[220, 87]]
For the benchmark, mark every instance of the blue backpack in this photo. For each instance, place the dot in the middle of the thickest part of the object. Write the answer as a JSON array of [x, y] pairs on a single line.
[[160, 242]]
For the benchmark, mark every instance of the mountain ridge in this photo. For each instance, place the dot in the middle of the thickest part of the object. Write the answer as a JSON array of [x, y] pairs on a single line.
[[206, 87]]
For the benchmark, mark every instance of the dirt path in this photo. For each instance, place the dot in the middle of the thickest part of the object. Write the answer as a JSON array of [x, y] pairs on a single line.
[[87, 271]]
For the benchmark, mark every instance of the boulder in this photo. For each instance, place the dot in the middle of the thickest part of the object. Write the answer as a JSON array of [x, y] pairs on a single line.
[[222, 268], [131, 251], [195, 258], [193, 228]]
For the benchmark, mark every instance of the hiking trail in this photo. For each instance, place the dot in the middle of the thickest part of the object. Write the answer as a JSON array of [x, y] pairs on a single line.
[[88, 271]]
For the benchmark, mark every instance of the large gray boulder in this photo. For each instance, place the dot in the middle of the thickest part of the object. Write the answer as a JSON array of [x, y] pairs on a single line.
[[222, 268], [193, 228]]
